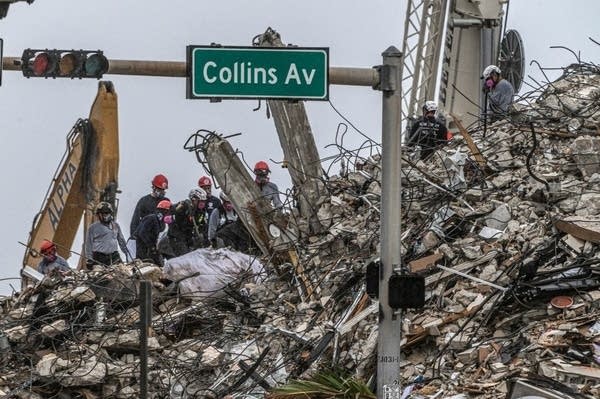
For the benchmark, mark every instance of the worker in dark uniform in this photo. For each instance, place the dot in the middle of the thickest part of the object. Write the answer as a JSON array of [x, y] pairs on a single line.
[[147, 232], [225, 229], [51, 262], [212, 202], [147, 204], [190, 224], [104, 238], [268, 189], [499, 93], [428, 133]]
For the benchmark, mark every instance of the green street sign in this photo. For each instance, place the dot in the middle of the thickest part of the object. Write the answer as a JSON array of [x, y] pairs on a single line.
[[258, 72]]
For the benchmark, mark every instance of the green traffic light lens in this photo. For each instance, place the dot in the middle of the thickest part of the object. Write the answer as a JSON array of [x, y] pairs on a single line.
[[96, 65]]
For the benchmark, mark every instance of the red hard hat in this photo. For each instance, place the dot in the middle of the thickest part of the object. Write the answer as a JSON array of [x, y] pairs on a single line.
[[164, 204], [204, 181], [160, 181], [46, 246], [261, 165]]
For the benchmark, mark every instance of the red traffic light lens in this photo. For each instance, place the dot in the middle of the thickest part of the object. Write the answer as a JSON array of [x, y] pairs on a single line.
[[40, 64]]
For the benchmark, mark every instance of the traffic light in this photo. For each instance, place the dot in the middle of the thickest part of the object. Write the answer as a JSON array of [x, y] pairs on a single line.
[[1, 60], [63, 63]]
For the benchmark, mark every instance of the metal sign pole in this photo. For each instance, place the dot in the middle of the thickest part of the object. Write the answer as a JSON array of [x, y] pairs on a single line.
[[388, 345], [145, 320]]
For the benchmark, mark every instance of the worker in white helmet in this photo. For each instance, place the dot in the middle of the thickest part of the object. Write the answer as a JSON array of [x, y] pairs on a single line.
[[427, 133], [499, 92]]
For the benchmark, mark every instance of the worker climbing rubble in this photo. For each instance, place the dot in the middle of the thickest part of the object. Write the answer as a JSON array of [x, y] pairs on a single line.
[[427, 133], [104, 238], [212, 202], [269, 190], [51, 261], [190, 224], [499, 93], [147, 232]]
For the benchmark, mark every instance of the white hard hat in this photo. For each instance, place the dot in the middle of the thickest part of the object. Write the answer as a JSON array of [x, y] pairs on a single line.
[[430, 106], [198, 194], [489, 69]]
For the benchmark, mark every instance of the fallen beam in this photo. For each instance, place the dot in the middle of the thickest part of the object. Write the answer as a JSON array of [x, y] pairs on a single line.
[[299, 148]]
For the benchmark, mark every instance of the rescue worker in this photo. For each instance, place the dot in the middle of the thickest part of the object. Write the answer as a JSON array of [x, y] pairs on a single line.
[[499, 93], [212, 202], [51, 260], [104, 238], [268, 189], [225, 229], [427, 133], [147, 204], [190, 224], [147, 232]]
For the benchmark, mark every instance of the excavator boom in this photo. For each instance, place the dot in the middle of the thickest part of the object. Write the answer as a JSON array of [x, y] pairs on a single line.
[[87, 174]]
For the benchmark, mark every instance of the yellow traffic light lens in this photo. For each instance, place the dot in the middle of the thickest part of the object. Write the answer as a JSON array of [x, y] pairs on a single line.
[[67, 64], [96, 65], [41, 64]]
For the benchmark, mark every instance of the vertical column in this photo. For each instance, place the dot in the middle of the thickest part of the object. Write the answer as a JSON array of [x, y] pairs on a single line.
[[388, 345], [145, 320]]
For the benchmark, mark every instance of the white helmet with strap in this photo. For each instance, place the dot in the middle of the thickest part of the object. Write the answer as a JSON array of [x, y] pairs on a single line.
[[197, 193], [430, 106], [489, 69]]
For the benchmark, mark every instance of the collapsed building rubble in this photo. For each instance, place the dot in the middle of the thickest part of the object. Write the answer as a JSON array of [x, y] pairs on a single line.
[[509, 250]]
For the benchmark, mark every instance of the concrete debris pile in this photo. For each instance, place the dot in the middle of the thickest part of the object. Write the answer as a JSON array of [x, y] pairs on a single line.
[[508, 247]]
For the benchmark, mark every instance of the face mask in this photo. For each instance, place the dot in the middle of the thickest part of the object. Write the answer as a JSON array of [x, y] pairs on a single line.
[[201, 204], [228, 206], [158, 192], [50, 257], [262, 179], [168, 219]]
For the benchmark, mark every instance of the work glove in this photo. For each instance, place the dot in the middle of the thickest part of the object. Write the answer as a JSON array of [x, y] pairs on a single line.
[[89, 264], [213, 243]]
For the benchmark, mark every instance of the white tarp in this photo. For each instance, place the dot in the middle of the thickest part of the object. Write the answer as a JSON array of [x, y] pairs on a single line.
[[215, 269]]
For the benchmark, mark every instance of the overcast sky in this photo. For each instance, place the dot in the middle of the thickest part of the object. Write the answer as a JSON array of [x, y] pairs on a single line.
[[155, 118]]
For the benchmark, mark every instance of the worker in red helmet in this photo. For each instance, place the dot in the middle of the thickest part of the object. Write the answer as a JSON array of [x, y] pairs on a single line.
[[51, 262], [268, 189], [148, 231], [212, 202], [147, 204]]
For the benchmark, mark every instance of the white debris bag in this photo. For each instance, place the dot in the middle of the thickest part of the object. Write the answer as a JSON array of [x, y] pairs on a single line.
[[206, 271]]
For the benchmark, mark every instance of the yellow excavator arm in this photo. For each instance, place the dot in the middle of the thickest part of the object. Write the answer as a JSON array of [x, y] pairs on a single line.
[[87, 174]]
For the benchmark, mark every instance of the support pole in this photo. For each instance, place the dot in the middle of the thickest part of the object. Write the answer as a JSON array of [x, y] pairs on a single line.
[[145, 323], [178, 69], [388, 344]]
